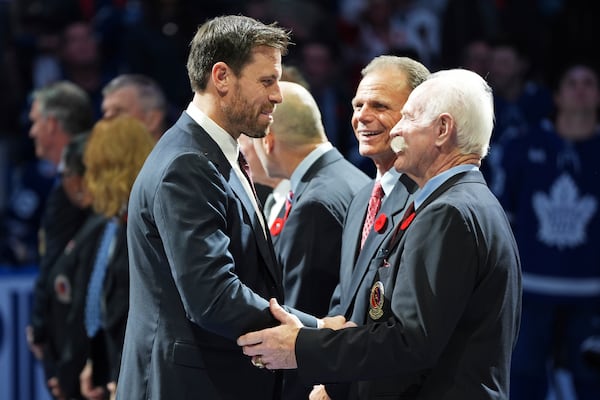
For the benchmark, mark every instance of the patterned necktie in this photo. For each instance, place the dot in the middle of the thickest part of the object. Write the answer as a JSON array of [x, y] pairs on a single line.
[[93, 320], [247, 172], [277, 225], [372, 210]]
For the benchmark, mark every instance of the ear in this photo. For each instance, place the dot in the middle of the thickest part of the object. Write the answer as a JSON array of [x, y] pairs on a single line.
[[153, 120], [445, 128], [52, 124], [221, 76]]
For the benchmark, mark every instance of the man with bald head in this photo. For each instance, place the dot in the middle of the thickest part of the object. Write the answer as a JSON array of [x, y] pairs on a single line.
[[307, 242], [307, 234]]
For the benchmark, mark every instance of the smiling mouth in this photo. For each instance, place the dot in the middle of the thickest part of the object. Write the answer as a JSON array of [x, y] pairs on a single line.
[[370, 133]]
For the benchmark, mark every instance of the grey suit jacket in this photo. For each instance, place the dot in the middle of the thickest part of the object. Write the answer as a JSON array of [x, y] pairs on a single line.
[[355, 263], [451, 307], [201, 270], [308, 247]]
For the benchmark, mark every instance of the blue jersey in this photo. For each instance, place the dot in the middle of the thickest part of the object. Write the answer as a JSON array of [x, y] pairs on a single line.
[[552, 195]]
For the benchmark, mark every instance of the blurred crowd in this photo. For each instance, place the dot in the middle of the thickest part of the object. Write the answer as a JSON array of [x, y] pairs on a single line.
[[515, 45], [538, 57]]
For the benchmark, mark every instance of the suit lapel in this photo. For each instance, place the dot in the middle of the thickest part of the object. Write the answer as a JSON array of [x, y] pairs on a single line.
[[392, 208], [325, 159], [353, 226], [212, 151]]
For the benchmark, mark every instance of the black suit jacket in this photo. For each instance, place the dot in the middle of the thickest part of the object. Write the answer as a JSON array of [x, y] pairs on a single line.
[[60, 221], [66, 349], [451, 307], [308, 247], [201, 269]]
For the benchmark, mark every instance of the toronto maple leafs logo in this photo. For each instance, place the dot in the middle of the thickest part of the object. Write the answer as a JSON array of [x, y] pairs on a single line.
[[563, 215]]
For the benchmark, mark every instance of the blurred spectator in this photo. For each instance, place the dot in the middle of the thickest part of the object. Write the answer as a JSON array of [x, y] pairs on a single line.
[[519, 104], [81, 61], [386, 26], [138, 96], [574, 30], [155, 43], [58, 113], [552, 198], [28, 183], [322, 71], [66, 347], [476, 56], [461, 22], [116, 151]]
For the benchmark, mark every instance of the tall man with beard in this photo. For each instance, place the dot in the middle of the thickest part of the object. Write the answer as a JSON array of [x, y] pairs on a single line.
[[201, 260]]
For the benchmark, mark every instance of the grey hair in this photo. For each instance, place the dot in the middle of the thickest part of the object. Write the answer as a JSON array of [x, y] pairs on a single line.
[[68, 103]]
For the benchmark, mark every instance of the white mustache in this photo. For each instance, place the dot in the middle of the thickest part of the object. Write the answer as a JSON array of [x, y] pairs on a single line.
[[398, 144]]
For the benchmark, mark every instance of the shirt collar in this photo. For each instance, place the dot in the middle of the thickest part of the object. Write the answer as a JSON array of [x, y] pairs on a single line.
[[308, 161], [228, 145], [388, 180], [437, 181]]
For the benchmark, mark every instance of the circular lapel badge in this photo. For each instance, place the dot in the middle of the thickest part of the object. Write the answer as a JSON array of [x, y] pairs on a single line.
[[376, 300]]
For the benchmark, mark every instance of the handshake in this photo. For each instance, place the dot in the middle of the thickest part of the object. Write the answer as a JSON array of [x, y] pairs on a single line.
[[274, 348]]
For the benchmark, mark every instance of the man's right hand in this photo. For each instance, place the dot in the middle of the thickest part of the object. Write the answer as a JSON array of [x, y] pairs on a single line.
[[318, 393], [36, 348]]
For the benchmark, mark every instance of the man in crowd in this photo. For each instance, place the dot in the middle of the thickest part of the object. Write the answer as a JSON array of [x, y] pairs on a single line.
[[58, 113], [138, 96]]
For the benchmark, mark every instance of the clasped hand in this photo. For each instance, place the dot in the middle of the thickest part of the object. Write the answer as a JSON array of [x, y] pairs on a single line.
[[274, 348]]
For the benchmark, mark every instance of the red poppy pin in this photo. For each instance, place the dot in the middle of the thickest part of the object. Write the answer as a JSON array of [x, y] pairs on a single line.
[[276, 227], [407, 221], [380, 223]]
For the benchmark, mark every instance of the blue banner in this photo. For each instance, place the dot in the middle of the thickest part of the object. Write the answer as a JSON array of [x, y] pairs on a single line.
[[21, 375]]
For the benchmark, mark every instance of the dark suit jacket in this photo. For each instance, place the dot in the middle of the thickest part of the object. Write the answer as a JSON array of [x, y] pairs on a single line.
[[66, 349], [452, 294], [60, 222], [308, 247], [354, 266], [201, 268]]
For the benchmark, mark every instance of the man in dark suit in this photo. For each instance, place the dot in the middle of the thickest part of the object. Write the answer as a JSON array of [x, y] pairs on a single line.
[[445, 302], [201, 259], [307, 234], [58, 113], [385, 85]]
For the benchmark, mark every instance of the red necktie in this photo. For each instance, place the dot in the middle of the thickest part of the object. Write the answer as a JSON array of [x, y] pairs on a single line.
[[372, 210], [277, 225]]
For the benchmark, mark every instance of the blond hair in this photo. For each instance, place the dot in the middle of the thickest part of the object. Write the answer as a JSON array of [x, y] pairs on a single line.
[[115, 153]]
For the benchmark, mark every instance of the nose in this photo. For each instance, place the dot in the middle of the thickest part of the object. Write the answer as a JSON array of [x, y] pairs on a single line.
[[396, 130], [275, 96], [363, 113]]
